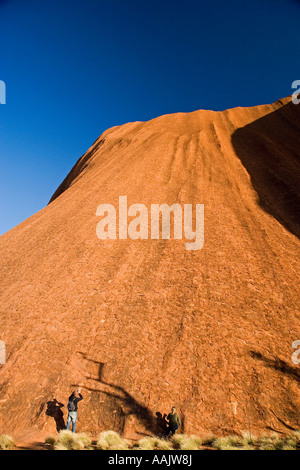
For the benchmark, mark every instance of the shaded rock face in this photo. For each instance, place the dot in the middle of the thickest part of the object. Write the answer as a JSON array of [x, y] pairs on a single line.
[[142, 325]]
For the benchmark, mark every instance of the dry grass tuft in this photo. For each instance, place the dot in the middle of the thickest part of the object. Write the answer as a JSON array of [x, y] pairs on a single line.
[[184, 442], [69, 441], [228, 443], [50, 440], [151, 443], [111, 440], [6, 442]]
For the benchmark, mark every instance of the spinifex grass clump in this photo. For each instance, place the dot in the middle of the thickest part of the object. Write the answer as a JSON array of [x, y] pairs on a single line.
[[70, 441], [291, 443], [208, 440], [270, 443], [111, 440], [50, 440], [184, 442], [274, 442], [248, 439], [250, 442], [296, 435], [152, 443], [164, 444], [6, 442], [230, 443]]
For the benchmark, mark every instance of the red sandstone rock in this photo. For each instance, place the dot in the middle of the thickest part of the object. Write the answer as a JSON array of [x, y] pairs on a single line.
[[142, 325]]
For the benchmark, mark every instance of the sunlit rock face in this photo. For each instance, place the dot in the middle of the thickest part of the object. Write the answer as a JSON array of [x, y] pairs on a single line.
[[144, 324]]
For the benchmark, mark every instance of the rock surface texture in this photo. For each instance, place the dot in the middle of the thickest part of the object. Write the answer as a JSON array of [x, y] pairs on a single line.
[[142, 325]]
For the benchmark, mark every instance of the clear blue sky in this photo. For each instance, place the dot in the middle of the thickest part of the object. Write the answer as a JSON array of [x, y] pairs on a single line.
[[75, 68]]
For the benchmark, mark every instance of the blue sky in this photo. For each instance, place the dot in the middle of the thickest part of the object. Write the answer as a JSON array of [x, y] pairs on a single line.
[[75, 68]]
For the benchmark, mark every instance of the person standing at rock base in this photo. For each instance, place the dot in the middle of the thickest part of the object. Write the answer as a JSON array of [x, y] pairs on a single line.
[[72, 409], [174, 422]]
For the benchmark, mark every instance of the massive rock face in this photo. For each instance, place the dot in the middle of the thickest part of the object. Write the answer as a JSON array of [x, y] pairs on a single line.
[[145, 324]]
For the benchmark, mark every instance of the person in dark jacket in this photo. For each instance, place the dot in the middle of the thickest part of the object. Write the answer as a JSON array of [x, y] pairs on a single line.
[[72, 409], [174, 422]]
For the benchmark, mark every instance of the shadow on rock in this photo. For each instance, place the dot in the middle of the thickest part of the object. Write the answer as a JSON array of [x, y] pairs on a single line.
[[54, 410]]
